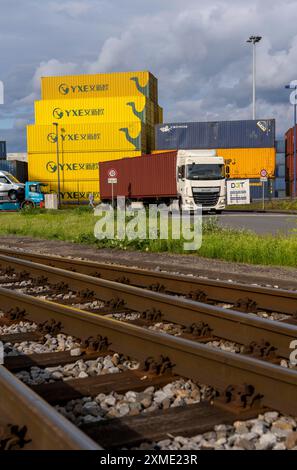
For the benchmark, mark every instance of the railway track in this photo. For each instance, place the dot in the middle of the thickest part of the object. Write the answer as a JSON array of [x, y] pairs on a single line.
[[199, 321], [239, 385], [247, 293], [29, 422], [269, 385]]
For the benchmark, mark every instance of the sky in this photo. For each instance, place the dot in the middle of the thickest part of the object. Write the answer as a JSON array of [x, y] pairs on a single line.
[[197, 49]]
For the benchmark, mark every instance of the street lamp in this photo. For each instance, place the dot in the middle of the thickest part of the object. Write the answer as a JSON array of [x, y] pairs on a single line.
[[253, 40], [58, 163], [293, 86], [62, 152]]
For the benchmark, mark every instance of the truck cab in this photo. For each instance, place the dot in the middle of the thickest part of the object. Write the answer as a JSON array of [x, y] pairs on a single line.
[[28, 195], [201, 180], [34, 194]]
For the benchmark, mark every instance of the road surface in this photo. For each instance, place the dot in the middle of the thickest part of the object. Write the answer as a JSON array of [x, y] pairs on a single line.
[[260, 223]]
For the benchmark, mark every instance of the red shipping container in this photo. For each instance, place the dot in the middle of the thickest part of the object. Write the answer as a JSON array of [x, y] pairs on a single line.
[[290, 166], [291, 188], [289, 137], [290, 172], [140, 177]]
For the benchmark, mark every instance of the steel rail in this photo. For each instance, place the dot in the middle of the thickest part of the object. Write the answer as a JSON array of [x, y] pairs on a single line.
[[228, 324], [193, 360], [46, 428], [214, 274], [278, 300]]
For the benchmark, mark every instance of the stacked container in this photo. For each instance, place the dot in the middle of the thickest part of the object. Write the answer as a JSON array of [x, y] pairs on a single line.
[[247, 146], [289, 136], [15, 168], [100, 117], [280, 169], [2, 150]]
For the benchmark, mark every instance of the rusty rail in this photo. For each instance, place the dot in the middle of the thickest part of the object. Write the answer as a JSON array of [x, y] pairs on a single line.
[[277, 300], [228, 324], [277, 386], [36, 425]]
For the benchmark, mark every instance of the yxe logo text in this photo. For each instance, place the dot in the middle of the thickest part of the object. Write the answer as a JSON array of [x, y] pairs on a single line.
[[59, 113], [65, 89], [52, 167], [52, 138]]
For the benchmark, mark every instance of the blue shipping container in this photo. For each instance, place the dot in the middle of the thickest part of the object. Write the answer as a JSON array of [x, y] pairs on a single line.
[[280, 171], [256, 189], [280, 159], [280, 146], [280, 184], [16, 168], [2, 150], [214, 135], [281, 193]]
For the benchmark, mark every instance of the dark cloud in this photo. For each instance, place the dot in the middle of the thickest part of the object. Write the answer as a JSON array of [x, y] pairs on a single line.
[[197, 50]]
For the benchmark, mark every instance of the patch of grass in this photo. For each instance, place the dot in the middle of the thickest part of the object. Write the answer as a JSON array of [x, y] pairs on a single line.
[[77, 226]]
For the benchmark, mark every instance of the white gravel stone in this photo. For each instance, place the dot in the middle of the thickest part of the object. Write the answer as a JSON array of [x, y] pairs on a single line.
[[259, 428], [132, 403], [270, 431], [75, 352], [78, 370], [266, 442]]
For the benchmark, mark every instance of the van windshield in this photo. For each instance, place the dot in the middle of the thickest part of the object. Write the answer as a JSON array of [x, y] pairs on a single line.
[[197, 171], [12, 178]]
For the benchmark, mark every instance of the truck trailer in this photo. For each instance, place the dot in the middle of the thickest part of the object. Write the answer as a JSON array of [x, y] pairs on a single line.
[[192, 177]]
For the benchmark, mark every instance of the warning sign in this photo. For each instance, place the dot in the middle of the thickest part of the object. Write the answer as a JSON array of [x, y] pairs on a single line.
[[112, 173]]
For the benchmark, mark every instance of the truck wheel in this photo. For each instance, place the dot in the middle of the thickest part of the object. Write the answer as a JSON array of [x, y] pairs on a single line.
[[13, 195], [27, 205]]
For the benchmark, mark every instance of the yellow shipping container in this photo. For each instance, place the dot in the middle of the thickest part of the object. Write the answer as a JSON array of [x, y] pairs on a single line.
[[248, 162], [245, 162], [74, 167], [157, 114], [99, 85], [74, 191], [87, 137], [121, 109]]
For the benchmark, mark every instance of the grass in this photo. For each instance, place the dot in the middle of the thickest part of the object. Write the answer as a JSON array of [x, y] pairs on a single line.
[[77, 226], [274, 204]]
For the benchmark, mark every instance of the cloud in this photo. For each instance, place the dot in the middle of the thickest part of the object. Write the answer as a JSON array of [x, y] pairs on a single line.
[[51, 67], [72, 8]]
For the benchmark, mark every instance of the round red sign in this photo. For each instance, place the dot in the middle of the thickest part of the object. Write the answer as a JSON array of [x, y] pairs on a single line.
[[263, 173], [112, 173]]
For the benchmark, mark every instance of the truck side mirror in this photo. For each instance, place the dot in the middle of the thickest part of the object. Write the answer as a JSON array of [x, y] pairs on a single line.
[[181, 172]]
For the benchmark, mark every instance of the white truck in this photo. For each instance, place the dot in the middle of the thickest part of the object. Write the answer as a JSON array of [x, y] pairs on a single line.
[[10, 187], [201, 180], [191, 177]]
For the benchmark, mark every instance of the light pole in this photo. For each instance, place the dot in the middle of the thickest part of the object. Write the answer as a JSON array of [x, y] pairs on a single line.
[[58, 163], [294, 87], [253, 40], [62, 152]]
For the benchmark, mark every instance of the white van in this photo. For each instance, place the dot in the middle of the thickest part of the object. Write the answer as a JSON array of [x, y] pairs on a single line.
[[10, 187]]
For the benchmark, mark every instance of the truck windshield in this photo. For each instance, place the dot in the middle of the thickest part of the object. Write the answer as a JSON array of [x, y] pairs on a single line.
[[12, 178], [197, 171]]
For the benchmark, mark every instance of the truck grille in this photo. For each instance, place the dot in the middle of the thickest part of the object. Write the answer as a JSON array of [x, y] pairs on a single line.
[[206, 198]]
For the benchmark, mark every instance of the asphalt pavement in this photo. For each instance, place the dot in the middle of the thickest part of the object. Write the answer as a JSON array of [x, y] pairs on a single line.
[[260, 223]]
